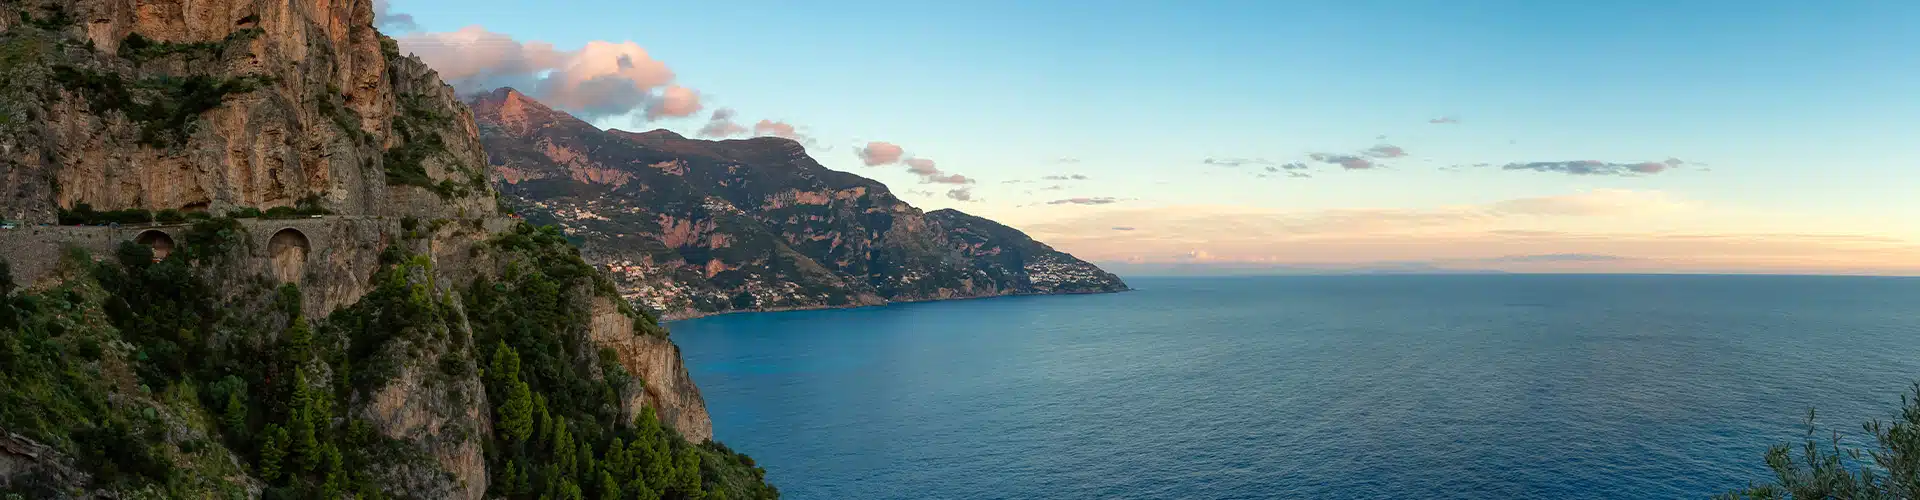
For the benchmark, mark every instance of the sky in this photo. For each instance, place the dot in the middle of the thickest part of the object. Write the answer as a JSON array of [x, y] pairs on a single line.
[[1620, 136]]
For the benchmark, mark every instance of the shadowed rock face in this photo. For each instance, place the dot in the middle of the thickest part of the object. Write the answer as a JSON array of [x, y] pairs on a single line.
[[693, 227]]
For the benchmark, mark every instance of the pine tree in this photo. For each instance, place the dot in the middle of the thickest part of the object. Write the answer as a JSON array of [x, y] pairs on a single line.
[[516, 412], [510, 480], [297, 348], [616, 458], [562, 442], [305, 444], [542, 420], [273, 448], [336, 474], [609, 488], [235, 416], [584, 460]]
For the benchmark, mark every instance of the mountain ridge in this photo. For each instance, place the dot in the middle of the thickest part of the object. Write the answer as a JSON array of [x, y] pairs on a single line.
[[694, 227]]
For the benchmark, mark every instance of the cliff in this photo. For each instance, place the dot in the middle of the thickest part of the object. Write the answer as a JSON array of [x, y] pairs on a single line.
[[381, 332], [691, 227]]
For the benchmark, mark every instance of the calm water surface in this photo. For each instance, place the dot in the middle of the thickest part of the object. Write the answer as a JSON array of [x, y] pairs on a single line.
[[1310, 387]]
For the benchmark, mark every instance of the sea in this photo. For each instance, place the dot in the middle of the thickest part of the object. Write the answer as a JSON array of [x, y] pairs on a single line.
[[1378, 386]]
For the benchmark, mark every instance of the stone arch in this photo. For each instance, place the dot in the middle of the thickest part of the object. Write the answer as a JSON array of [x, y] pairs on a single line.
[[287, 251], [161, 242]]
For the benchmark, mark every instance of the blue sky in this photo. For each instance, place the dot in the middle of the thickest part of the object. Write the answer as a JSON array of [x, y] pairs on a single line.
[[1804, 113]]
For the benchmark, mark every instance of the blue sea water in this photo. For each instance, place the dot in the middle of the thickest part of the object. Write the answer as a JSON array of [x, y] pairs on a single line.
[[1485, 386]]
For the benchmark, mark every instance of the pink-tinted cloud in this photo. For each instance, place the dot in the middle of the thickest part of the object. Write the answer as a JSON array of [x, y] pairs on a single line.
[[598, 80], [878, 153], [921, 167], [675, 101], [776, 129], [946, 179]]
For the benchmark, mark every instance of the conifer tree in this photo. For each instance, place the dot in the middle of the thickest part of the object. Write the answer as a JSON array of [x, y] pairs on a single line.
[[235, 416], [273, 450]]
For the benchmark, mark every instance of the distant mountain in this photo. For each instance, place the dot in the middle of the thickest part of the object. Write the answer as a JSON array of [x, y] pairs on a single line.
[[693, 227]]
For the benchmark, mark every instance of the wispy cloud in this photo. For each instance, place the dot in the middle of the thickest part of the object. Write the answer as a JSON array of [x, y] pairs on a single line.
[[1552, 257], [1072, 177], [1386, 151], [1349, 162], [1596, 167], [1594, 202], [961, 194], [721, 125], [1235, 162], [1103, 200], [1122, 228], [1444, 120], [1067, 160]]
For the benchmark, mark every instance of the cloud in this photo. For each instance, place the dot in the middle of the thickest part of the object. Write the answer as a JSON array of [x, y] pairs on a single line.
[[1444, 120], [1055, 187], [721, 125], [385, 19], [938, 178], [1596, 167], [1067, 160], [675, 101], [878, 153], [1554, 257], [776, 129], [961, 194], [1073, 177], [1349, 162], [921, 167], [1084, 201], [1386, 151], [598, 80], [1593, 203], [1299, 175], [1122, 228], [1235, 162]]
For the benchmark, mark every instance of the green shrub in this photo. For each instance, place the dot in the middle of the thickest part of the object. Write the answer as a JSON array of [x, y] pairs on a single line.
[[1890, 470]]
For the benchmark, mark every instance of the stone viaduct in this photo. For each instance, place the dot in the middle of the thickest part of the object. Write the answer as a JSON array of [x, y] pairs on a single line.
[[282, 244]]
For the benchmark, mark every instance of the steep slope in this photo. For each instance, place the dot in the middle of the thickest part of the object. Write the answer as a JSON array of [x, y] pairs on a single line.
[[1009, 255], [692, 227], [381, 331]]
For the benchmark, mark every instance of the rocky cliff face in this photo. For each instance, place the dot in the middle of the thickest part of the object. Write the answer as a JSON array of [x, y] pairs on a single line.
[[213, 107], [692, 227], [217, 105]]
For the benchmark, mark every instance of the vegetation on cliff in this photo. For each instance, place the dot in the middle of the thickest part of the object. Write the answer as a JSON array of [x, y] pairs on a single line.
[[1887, 471], [558, 430], [172, 378]]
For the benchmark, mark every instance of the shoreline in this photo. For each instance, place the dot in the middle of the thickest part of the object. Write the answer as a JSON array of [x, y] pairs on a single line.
[[670, 318]]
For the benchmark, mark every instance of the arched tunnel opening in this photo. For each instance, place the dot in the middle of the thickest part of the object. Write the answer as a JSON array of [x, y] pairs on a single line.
[[288, 250], [159, 241]]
